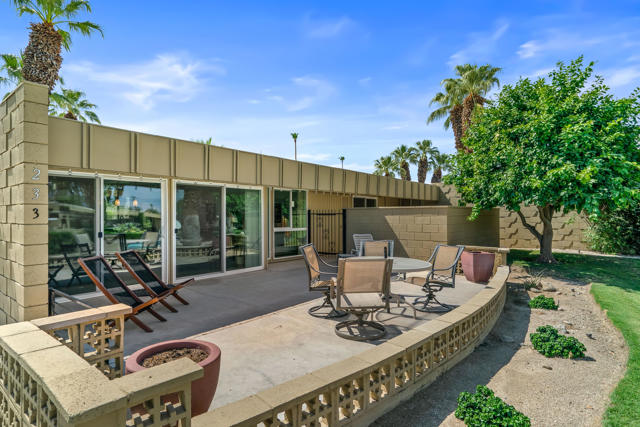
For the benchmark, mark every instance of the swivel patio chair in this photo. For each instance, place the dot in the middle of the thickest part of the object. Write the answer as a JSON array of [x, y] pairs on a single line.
[[320, 281], [362, 288], [357, 241], [377, 248], [116, 291], [152, 284], [444, 262]]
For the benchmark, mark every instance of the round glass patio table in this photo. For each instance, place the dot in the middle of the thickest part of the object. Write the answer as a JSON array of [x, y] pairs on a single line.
[[403, 265]]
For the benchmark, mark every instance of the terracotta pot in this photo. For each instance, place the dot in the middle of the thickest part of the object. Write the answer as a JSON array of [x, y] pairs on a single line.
[[477, 266], [203, 389]]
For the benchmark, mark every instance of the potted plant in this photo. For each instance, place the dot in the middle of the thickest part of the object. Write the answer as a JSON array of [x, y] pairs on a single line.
[[477, 266], [205, 354]]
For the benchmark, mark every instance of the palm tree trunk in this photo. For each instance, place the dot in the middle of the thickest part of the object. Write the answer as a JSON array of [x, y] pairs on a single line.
[[42, 59], [70, 115], [456, 124], [407, 172], [437, 176], [423, 166]]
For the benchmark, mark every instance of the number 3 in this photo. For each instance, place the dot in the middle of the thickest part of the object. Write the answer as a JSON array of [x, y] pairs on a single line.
[[36, 194], [36, 214]]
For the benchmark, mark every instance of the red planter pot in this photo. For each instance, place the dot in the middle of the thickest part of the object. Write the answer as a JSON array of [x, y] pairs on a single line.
[[477, 266], [203, 389]]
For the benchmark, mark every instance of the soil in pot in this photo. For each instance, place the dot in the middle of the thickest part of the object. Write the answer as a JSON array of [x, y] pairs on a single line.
[[195, 354]]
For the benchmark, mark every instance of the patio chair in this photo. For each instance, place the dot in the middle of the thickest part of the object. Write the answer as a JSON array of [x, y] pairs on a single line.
[[320, 280], [144, 275], [377, 248], [362, 288], [70, 253], [116, 291], [357, 242], [444, 262]]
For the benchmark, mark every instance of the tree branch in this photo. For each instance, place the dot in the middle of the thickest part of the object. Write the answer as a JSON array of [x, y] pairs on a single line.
[[529, 227]]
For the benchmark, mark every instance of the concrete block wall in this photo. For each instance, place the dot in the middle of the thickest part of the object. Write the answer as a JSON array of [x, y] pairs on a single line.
[[23, 203], [569, 229]]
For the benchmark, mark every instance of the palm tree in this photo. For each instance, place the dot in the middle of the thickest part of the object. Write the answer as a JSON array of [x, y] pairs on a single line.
[[405, 156], [425, 152], [12, 66], [385, 166], [341, 158], [461, 95], [42, 59], [72, 104], [294, 135], [439, 161]]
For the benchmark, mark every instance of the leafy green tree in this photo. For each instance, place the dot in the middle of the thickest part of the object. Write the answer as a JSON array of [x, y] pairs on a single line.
[[72, 104], [404, 156], [425, 152], [440, 162], [558, 144], [42, 59], [385, 166]]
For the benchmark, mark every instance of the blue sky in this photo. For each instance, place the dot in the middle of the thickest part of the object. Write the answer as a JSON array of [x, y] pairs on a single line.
[[353, 78]]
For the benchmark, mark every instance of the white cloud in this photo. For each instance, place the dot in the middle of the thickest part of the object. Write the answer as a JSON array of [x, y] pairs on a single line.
[[254, 101], [313, 157], [396, 126], [622, 76], [480, 45], [529, 49], [305, 92], [327, 28], [166, 77], [558, 40], [365, 81]]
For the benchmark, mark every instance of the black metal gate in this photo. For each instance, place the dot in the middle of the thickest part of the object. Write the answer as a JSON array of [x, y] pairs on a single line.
[[326, 230]]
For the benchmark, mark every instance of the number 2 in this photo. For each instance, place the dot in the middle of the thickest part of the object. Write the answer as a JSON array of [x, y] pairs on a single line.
[[36, 174]]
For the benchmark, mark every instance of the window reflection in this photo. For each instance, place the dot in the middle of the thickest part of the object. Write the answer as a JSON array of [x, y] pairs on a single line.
[[244, 235]]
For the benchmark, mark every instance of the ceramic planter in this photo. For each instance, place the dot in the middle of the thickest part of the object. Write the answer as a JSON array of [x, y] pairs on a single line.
[[477, 266], [203, 389]]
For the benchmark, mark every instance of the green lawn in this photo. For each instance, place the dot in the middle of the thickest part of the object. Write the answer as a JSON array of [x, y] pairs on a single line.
[[616, 287]]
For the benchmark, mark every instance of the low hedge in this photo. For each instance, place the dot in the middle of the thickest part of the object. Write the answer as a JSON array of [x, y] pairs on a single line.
[[550, 343], [483, 408], [543, 302]]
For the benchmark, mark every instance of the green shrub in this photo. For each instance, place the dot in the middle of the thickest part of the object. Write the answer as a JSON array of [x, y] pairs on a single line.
[[543, 302], [483, 408], [616, 231], [550, 343]]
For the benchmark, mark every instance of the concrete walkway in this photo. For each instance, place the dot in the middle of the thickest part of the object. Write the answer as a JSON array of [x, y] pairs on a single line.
[[268, 350]]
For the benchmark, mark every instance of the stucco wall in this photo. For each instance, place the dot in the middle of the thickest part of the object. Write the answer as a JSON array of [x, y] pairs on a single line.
[[417, 230], [569, 229], [24, 205]]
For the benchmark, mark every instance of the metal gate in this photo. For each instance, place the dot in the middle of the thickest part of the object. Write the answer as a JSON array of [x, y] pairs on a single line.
[[326, 230]]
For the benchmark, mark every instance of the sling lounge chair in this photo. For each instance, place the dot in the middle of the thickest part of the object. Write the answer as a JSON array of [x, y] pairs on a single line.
[[116, 291], [362, 288], [144, 275], [357, 242], [444, 262], [376, 248], [320, 281]]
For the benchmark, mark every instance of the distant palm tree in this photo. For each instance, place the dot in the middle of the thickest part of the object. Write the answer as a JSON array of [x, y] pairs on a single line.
[[385, 166], [425, 152], [341, 158], [405, 156], [294, 135], [72, 104], [42, 59], [450, 107], [12, 67], [440, 162]]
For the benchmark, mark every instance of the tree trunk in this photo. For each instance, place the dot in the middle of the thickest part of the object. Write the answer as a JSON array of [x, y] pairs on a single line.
[[70, 115], [407, 171], [42, 59], [468, 106], [455, 116], [423, 167], [545, 239], [437, 176]]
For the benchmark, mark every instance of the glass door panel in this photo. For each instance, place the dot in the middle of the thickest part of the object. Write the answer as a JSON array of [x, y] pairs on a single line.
[[72, 231], [290, 221], [133, 220], [243, 228], [198, 230]]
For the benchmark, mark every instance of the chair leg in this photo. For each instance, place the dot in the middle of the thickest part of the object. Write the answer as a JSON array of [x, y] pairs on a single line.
[[169, 307], [378, 328], [140, 323], [326, 303], [156, 315], [179, 298]]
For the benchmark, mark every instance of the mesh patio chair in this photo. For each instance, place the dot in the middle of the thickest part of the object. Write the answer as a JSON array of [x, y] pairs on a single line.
[[144, 275], [444, 262], [357, 241], [116, 291], [376, 248], [320, 280], [362, 288], [70, 253]]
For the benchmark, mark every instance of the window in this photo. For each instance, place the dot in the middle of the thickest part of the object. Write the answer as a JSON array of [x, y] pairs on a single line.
[[365, 202], [289, 221], [244, 228]]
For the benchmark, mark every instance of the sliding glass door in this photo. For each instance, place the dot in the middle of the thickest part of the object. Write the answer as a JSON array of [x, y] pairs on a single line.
[[289, 221], [198, 230], [243, 238]]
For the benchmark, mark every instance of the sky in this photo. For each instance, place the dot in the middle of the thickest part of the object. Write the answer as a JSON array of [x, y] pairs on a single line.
[[354, 79]]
